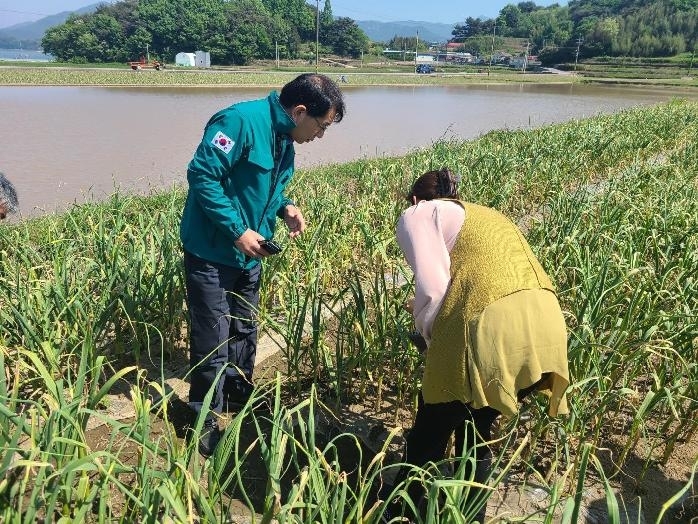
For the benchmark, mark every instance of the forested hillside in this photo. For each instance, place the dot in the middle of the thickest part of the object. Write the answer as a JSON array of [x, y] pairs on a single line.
[[637, 28], [234, 32], [239, 31]]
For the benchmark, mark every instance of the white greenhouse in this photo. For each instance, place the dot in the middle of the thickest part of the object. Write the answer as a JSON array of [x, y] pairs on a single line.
[[185, 59]]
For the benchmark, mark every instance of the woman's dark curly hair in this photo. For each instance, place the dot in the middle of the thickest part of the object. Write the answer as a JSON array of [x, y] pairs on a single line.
[[434, 184]]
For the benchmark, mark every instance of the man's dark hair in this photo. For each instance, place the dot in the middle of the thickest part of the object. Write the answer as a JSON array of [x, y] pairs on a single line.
[[318, 93], [8, 195], [441, 183]]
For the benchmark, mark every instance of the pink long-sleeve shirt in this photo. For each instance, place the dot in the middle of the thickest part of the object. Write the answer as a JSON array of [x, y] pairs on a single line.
[[426, 233]]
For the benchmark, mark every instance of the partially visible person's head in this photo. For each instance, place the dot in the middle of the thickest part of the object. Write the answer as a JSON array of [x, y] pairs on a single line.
[[314, 102], [441, 183], [8, 197]]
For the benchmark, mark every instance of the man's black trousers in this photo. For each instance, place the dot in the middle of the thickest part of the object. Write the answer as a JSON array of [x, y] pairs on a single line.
[[222, 303]]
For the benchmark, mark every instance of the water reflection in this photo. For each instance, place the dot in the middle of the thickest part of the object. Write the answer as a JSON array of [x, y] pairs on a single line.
[[65, 144]]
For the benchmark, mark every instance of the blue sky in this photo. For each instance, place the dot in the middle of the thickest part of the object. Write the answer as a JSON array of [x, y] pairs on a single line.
[[445, 11]]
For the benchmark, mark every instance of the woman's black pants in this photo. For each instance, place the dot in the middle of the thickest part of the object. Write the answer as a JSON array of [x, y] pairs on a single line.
[[427, 440]]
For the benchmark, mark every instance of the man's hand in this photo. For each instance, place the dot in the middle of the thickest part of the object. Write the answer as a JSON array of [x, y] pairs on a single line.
[[248, 243], [294, 220]]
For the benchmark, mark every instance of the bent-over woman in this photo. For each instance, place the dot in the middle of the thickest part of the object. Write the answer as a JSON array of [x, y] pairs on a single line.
[[489, 314]]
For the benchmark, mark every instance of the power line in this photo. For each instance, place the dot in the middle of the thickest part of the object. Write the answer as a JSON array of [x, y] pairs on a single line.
[[22, 12], [34, 13], [362, 13]]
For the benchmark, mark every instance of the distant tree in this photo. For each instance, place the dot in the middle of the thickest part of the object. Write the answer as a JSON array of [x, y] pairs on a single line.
[[582, 9], [551, 56], [109, 34], [124, 12], [480, 45], [529, 7], [488, 27], [301, 16], [550, 28], [604, 34], [85, 38], [509, 19], [326, 17], [407, 43], [59, 40], [346, 38], [471, 27], [638, 28], [137, 43], [459, 33], [181, 25], [251, 32], [685, 5]]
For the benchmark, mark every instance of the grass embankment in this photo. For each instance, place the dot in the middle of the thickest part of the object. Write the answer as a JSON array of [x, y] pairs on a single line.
[[26, 76], [610, 205], [610, 71], [630, 71], [678, 66]]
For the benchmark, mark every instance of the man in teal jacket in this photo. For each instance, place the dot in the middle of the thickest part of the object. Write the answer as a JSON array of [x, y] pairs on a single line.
[[236, 181]]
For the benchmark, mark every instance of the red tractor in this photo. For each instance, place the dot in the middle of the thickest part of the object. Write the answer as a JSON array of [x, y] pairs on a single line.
[[144, 64]]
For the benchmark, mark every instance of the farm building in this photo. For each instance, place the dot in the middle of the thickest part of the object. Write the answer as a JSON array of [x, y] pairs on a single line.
[[203, 59]]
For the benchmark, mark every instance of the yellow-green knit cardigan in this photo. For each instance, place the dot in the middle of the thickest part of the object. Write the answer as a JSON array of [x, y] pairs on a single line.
[[490, 260]]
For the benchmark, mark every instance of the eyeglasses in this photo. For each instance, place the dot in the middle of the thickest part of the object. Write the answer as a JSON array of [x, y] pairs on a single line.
[[322, 125]]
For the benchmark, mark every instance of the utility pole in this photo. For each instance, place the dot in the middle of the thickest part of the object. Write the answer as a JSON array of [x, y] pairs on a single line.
[[525, 60], [576, 54], [416, 50], [147, 53], [317, 35], [276, 45], [690, 64], [494, 30]]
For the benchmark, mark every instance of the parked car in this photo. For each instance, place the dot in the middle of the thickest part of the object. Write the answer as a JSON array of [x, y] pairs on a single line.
[[425, 69]]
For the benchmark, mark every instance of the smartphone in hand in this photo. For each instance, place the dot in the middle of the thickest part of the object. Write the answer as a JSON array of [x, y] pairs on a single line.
[[271, 247]]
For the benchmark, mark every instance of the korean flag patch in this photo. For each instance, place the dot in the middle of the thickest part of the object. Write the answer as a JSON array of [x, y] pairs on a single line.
[[223, 142]]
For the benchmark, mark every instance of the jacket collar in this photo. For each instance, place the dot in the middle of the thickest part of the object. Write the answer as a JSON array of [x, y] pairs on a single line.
[[281, 121]]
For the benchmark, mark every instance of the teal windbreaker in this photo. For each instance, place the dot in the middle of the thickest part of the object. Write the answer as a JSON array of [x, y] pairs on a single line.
[[237, 179]]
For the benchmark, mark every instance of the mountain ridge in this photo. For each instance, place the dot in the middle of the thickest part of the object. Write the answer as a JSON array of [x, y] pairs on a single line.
[[385, 31], [33, 32]]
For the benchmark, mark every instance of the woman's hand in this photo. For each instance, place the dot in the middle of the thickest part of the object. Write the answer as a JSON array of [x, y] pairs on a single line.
[[409, 305]]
